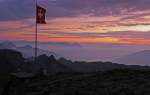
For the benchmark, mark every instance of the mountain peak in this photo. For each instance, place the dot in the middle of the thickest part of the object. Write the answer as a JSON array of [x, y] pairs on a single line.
[[138, 58], [144, 52], [27, 47], [52, 58], [7, 45]]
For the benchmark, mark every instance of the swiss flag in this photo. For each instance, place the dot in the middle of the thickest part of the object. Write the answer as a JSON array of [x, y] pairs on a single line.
[[40, 15]]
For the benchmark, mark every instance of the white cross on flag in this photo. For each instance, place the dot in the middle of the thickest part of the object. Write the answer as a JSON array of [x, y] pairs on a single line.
[[40, 15]]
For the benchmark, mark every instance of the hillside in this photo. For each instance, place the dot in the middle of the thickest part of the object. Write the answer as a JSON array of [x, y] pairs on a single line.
[[115, 82], [65, 77], [82, 66], [10, 60]]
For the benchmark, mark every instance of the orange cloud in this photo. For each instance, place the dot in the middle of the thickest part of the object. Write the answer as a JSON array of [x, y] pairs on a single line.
[[93, 24], [112, 40], [45, 38], [55, 29]]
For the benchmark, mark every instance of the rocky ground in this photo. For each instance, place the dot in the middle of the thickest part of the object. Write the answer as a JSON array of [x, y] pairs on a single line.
[[115, 82]]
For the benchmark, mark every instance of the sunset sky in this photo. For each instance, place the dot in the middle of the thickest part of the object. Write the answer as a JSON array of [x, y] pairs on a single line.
[[124, 22]]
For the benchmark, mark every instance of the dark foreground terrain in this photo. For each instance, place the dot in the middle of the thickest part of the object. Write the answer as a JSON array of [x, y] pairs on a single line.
[[51, 76], [115, 82]]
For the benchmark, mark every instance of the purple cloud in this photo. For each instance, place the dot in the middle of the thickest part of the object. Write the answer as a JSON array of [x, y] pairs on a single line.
[[18, 9]]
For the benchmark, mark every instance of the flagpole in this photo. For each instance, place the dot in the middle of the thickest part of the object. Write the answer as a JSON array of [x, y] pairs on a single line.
[[35, 59]]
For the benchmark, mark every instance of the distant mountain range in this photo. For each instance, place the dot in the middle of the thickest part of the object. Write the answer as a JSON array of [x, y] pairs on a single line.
[[17, 57], [138, 58], [11, 60], [7, 45], [27, 50], [99, 66]]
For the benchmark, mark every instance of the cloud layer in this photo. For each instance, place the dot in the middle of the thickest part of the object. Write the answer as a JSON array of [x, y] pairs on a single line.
[[95, 21]]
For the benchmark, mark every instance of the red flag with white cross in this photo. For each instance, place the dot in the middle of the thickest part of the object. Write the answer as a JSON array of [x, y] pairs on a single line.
[[40, 15]]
